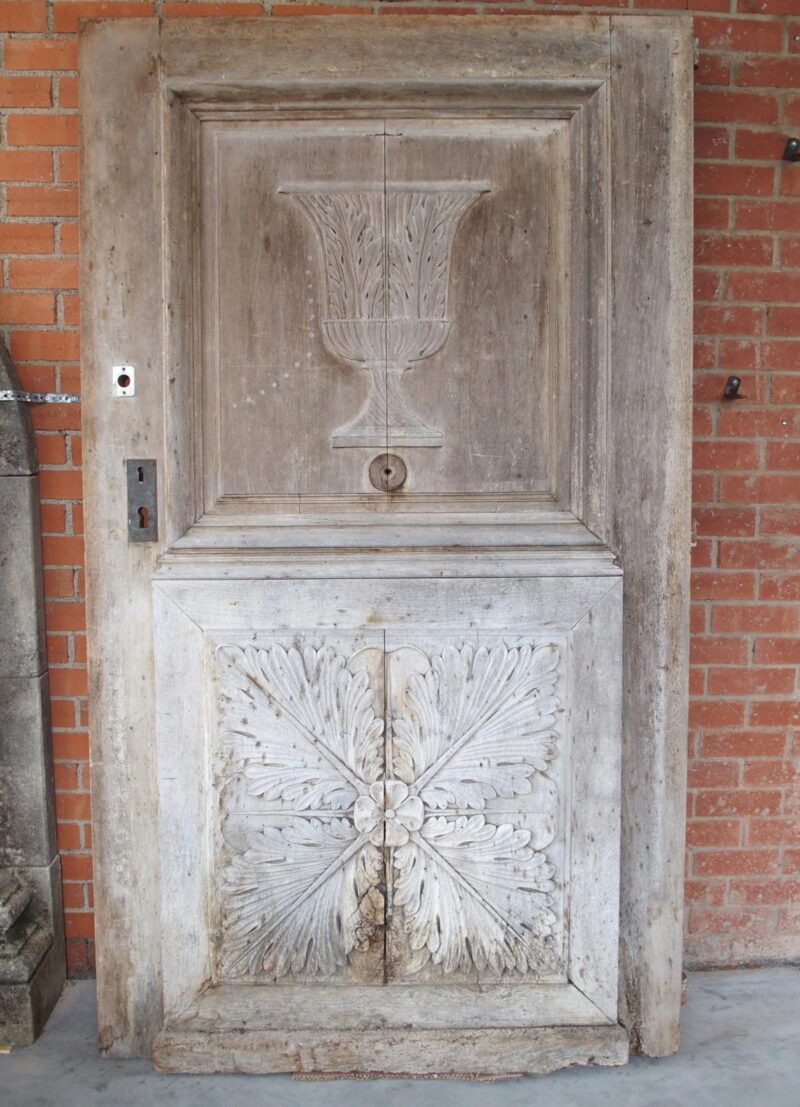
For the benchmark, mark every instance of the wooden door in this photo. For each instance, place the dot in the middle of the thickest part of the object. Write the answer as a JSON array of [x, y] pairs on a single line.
[[378, 620]]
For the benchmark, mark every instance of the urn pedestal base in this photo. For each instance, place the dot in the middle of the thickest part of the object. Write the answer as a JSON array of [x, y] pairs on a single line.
[[387, 419]]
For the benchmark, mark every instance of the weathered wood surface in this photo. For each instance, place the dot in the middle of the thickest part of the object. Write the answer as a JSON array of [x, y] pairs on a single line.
[[394, 533], [431, 49], [461, 223], [528, 569], [185, 819], [423, 1007], [121, 286], [457, 606], [500, 752], [594, 720], [237, 563], [651, 112], [396, 1052]]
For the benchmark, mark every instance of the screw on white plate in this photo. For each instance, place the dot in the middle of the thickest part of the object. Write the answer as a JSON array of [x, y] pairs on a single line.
[[123, 380]]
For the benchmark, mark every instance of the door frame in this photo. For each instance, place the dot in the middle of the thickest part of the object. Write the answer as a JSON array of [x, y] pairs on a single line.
[[138, 80]]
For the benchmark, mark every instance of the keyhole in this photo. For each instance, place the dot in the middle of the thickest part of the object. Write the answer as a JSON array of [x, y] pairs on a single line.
[[387, 472], [140, 475], [144, 516]]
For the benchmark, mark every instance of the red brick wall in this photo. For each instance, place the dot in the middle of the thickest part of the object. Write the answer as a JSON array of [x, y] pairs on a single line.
[[743, 876]]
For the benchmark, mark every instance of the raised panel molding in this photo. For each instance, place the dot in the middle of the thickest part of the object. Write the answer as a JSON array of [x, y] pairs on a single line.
[[406, 804], [381, 314]]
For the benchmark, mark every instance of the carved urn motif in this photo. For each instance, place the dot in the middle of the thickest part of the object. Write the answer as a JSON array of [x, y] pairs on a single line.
[[387, 271]]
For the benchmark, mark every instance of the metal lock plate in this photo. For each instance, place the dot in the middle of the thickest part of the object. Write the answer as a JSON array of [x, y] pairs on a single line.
[[123, 380], [142, 499]]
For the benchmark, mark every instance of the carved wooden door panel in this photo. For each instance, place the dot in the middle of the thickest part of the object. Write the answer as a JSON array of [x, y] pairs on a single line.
[[300, 864], [411, 847], [409, 796], [379, 317], [357, 690]]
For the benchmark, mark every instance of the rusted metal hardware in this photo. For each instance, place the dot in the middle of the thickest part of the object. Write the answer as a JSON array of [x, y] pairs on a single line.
[[20, 396], [142, 481]]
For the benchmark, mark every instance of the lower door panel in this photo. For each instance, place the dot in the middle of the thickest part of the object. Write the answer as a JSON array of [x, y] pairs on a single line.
[[389, 804]]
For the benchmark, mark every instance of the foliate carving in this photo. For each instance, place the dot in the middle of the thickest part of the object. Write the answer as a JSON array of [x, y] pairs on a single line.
[[300, 730], [456, 883], [387, 255], [303, 725], [293, 898], [471, 726], [468, 726], [476, 724]]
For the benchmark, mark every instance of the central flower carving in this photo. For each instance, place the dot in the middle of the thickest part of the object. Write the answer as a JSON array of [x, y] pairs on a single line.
[[388, 814], [432, 808]]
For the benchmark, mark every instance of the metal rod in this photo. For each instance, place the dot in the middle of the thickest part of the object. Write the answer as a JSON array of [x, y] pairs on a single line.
[[17, 395]]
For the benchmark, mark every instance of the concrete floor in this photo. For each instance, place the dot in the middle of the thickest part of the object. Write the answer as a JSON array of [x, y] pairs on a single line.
[[741, 1048]]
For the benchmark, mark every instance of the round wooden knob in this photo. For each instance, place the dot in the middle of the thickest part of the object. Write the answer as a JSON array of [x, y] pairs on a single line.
[[387, 472]]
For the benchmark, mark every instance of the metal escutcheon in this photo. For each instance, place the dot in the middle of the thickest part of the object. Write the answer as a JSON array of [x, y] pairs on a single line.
[[387, 472]]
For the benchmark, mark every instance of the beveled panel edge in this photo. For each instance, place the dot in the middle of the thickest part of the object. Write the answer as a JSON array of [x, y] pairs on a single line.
[[593, 867], [280, 609], [400, 604], [293, 1007], [182, 769]]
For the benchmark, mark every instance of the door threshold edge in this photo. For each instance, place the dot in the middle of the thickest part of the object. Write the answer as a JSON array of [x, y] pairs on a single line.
[[461, 1054]]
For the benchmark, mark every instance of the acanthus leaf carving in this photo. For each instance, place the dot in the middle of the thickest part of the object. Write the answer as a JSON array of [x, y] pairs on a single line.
[[479, 724], [293, 898], [301, 731], [475, 895], [387, 249], [301, 725]]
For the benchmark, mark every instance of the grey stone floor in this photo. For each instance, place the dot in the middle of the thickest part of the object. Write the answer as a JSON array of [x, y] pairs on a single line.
[[741, 1048]]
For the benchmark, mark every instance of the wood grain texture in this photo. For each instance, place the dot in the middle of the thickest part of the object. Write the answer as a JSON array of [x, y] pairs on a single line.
[[594, 704], [439, 1006], [121, 287], [521, 771], [397, 1052], [651, 111], [465, 221], [456, 606], [197, 58], [184, 770]]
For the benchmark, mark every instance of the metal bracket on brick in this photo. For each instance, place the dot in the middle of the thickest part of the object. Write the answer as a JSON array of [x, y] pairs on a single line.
[[20, 396]]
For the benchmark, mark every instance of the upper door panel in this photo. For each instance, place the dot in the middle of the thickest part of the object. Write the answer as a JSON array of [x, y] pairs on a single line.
[[383, 285]]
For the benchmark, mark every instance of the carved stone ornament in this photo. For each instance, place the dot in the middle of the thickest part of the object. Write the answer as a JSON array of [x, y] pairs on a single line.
[[301, 733], [387, 271]]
